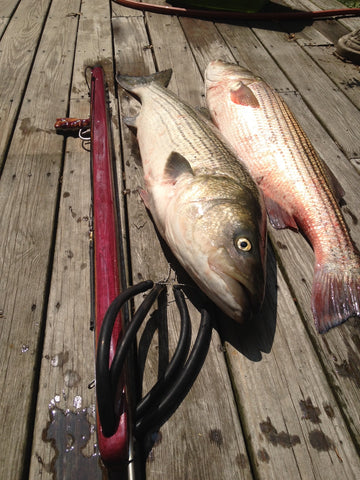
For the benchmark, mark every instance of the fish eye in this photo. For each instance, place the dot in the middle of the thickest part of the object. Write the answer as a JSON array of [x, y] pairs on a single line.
[[243, 244]]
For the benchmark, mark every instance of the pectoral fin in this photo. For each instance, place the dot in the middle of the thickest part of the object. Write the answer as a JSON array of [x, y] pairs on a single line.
[[175, 166], [243, 95]]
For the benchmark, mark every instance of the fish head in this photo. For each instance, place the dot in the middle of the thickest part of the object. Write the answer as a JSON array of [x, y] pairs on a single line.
[[219, 71], [226, 247], [228, 84], [239, 258]]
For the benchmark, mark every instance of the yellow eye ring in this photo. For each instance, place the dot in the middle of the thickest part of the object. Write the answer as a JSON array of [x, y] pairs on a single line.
[[243, 244]]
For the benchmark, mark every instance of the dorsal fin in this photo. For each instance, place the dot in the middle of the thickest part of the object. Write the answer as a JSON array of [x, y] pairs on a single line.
[[243, 95], [334, 183]]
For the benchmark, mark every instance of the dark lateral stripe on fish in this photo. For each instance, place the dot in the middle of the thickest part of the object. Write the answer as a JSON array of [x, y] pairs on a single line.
[[297, 134], [208, 142]]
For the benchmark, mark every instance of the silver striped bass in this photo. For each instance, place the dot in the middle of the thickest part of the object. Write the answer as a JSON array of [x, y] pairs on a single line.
[[203, 201], [300, 191]]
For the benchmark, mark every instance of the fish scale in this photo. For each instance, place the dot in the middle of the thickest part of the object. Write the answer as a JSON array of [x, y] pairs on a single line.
[[203, 201], [303, 159], [299, 189], [186, 133]]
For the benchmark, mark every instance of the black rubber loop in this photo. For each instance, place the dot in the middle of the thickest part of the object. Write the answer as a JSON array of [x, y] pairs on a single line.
[[170, 390], [104, 391], [130, 334], [177, 361], [177, 392]]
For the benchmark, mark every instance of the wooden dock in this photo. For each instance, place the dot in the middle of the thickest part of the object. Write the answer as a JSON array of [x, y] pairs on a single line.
[[274, 400]]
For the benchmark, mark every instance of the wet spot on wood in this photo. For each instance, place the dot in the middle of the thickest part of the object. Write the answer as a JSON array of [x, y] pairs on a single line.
[[241, 460], [215, 436], [83, 266], [69, 433], [276, 438], [320, 441], [309, 411], [27, 128], [69, 253], [71, 378], [281, 245], [73, 214], [348, 368], [59, 359], [263, 455], [66, 194], [329, 411], [33, 307]]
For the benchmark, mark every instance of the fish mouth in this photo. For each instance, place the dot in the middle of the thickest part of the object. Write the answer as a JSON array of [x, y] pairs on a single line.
[[243, 300], [241, 296]]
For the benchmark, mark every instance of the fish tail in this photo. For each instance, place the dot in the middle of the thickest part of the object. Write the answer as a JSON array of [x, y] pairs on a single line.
[[130, 83], [335, 295]]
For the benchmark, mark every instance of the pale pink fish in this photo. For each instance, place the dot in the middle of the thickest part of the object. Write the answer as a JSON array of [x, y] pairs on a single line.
[[300, 191]]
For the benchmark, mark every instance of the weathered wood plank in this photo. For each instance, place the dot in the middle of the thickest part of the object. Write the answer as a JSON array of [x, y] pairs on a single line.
[[346, 76], [118, 10], [67, 365], [17, 49], [255, 57], [188, 448], [296, 427], [8, 7], [350, 22], [28, 198]]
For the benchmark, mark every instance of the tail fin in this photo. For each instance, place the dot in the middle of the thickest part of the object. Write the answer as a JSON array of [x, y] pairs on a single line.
[[335, 295], [130, 83]]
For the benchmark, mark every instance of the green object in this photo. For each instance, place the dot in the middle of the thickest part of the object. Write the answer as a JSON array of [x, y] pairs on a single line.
[[246, 6]]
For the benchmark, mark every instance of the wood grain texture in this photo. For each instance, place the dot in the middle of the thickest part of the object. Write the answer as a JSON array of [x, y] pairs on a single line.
[[274, 400], [345, 75], [17, 49], [28, 198], [65, 403]]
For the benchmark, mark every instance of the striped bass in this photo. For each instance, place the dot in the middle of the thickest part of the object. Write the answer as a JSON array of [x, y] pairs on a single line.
[[202, 199], [300, 191]]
